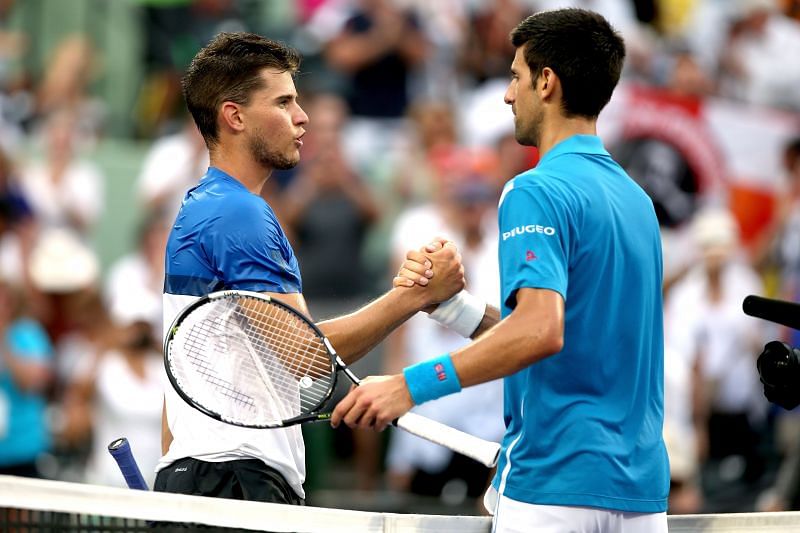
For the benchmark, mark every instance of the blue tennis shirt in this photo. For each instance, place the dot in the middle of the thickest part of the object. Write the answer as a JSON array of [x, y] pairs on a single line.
[[584, 426], [226, 237]]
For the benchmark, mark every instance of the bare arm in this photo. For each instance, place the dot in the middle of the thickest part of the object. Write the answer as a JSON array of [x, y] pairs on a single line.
[[533, 331], [166, 434], [355, 334]]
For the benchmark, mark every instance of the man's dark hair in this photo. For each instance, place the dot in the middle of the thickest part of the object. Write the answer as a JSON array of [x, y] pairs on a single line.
[[581, 47], [229, 69]]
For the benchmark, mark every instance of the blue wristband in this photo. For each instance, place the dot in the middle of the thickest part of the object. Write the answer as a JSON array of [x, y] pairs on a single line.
[[432, 379]]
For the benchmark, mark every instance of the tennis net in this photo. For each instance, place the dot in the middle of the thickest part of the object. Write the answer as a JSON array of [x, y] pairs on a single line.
[[39, 506]]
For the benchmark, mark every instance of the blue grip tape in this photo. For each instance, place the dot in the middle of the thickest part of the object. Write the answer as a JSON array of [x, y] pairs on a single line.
[[120, 450]]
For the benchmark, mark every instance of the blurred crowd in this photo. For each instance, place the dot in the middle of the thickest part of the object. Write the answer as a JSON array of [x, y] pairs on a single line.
[[408, 139]]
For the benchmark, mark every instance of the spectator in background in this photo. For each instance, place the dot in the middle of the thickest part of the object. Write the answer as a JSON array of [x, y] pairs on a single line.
[[170, 168], [758, 63], [15, 99], [65, 271], [705, 324], [17, 225], [65, 87], [25, 373], [64, 190], [488, 52], [173, 31], [430, 147], [779, 245], [139, 275], [378, 48], [328, 210], [462, 210], [123, 391]]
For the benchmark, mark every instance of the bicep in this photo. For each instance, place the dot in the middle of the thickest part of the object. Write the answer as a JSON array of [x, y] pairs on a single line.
[[545, 308], [292, 299]]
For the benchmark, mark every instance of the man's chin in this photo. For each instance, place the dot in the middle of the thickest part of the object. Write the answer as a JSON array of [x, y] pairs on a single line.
[[285, 163], [525, 140]]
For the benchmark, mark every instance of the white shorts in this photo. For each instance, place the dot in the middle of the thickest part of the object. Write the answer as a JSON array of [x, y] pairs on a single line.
[[512, 516]]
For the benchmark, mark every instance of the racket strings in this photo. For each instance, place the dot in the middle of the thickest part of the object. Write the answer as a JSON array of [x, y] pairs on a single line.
[[284, 350], [299, 346], [267, 364], [197, 355]]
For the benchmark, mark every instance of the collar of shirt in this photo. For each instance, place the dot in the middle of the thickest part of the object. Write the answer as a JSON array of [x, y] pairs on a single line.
[[215, 174], [580, 144]]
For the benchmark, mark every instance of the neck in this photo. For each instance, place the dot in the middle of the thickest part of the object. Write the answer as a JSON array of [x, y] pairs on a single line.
[[240, 166], [564, 128]]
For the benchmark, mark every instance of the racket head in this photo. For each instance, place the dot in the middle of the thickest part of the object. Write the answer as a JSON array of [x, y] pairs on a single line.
[[249, 360]]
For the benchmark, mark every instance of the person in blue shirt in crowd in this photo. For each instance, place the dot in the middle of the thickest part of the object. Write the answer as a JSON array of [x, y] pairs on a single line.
[[240, 91], [580, 343], [26, 357]]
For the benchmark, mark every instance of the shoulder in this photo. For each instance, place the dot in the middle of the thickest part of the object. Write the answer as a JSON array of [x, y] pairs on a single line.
[[535, 182]]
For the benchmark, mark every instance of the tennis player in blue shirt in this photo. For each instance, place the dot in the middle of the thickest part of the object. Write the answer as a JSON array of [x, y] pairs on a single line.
[[580, 343], [240, 91]]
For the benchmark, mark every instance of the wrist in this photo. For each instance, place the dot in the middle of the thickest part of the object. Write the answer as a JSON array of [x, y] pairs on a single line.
[[462, 313], [431, 379], [410, 299]]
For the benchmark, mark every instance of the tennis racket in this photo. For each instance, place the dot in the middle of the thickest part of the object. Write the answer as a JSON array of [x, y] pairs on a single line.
[[249, 360], [120, 450]]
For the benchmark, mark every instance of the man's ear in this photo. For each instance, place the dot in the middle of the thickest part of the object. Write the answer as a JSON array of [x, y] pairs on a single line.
[[232, 118], [547, 83]]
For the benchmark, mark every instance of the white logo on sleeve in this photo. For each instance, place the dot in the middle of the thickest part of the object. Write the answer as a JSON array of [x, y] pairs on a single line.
[[530, 228]]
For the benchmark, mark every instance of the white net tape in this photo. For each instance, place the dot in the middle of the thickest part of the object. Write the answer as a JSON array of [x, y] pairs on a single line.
[[22, 493]]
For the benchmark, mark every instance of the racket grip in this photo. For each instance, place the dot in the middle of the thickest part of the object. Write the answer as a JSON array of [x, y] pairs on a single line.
[[483, 451], [120, 450]]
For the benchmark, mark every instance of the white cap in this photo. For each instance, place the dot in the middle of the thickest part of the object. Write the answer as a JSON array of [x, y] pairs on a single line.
[[62, 262], [714, 229]]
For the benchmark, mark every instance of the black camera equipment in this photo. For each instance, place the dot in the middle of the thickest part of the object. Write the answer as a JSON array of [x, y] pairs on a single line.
[[779, 364]]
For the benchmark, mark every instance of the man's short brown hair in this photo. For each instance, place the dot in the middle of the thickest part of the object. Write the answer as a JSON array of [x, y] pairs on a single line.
[[228, 69]]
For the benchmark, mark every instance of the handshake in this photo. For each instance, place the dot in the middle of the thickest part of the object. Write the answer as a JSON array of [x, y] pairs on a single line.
[[779, 364]]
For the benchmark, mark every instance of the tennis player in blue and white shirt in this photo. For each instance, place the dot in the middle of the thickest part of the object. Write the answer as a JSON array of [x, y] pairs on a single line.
[[578, 339], [240, 91]]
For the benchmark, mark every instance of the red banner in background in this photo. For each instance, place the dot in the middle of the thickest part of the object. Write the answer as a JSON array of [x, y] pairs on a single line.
[[689, 151]]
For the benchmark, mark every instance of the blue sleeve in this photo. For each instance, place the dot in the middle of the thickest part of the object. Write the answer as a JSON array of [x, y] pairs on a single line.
[[251, 251], [28, 340], [534, 242]]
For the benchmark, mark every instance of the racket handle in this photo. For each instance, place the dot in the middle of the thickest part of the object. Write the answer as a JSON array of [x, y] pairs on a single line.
[[483, 451], [120, 450]]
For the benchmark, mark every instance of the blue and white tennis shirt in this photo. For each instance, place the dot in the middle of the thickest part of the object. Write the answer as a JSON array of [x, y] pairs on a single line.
[[225, 237], [584, 425]]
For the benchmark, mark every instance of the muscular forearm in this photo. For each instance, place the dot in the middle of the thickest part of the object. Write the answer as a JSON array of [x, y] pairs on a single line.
[[356, 334], [504, 349]]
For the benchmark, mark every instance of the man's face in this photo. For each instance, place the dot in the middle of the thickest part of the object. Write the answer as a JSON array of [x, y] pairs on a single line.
[[275, 122], [524, 102]]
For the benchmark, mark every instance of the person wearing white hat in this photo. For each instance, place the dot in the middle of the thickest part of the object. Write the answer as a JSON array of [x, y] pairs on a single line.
[[704, 325]]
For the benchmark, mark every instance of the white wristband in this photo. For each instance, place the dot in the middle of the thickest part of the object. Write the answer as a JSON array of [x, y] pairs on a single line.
[[462, 313]]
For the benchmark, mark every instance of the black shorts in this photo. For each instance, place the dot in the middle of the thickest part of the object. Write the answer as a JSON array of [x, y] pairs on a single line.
[[245, 479]]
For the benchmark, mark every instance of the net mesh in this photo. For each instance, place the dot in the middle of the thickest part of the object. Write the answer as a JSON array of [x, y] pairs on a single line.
[[36, 506], [251, 362]]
